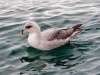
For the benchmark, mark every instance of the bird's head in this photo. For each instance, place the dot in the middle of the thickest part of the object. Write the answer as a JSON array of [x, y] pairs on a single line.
[[30, 27]]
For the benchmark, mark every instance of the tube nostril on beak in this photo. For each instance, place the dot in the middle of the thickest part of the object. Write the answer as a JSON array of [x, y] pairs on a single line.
[[21, 33]]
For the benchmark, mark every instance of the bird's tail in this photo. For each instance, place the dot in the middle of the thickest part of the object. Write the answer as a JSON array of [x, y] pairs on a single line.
[[76, 26]]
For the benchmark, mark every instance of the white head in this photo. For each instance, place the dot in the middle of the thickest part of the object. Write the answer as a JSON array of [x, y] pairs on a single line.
[[31, 27]]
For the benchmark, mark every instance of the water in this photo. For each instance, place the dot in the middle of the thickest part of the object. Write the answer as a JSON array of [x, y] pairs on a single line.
[[18, 58]]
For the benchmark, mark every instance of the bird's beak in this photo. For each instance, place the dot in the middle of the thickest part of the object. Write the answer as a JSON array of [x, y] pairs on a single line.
[[22, 32]]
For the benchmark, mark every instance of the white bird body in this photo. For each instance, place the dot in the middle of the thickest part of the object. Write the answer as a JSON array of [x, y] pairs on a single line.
[[50, 38]]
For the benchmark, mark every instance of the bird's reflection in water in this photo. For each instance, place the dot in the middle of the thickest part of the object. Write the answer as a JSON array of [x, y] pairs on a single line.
[[64, 57]]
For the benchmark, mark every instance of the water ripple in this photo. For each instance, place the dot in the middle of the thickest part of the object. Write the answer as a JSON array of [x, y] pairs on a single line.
[[17, 58]]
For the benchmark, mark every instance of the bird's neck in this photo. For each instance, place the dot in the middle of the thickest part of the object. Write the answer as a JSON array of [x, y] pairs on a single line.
[[35, 35], [34, 39]]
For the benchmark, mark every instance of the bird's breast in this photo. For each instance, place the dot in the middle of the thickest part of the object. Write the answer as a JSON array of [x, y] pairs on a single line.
[[33, 40]]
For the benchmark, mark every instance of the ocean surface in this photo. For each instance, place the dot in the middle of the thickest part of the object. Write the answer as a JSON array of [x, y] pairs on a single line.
[[18, 58]]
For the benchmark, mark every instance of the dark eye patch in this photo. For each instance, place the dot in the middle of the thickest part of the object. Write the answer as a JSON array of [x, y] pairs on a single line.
[[28, 26]]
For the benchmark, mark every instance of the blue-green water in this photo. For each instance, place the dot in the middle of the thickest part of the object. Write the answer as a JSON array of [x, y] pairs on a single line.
[[18, 58]]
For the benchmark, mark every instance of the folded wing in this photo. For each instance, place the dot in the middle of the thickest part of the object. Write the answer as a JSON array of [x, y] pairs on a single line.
[[52, 34]]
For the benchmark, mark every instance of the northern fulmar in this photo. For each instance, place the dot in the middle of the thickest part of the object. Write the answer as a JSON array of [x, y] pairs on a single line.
[[50, 38]]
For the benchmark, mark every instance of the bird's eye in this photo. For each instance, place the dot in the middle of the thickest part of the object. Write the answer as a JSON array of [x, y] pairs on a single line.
[[28, 26]]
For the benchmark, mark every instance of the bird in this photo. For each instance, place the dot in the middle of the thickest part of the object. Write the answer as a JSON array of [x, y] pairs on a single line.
[[50, 38]]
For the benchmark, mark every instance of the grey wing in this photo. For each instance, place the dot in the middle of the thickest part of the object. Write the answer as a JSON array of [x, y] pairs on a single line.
[[52, 34], [62, 34]]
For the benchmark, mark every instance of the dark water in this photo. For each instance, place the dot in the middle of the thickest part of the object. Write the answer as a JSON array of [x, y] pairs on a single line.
[[18, 58]]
